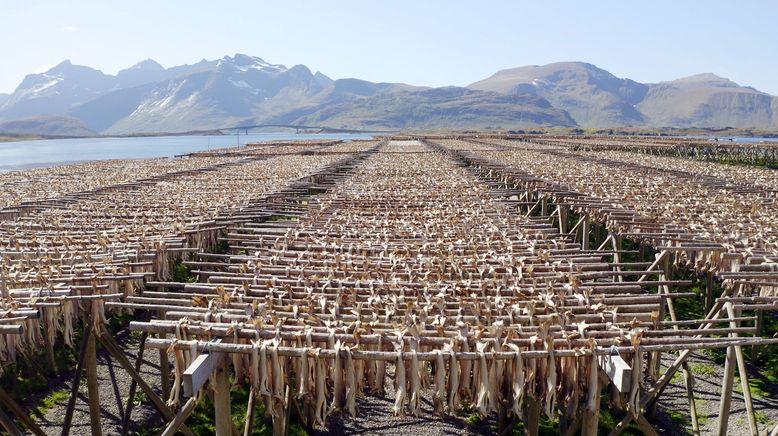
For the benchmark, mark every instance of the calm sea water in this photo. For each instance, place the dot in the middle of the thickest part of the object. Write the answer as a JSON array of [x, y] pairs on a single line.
[[742, 139], [28, 154]]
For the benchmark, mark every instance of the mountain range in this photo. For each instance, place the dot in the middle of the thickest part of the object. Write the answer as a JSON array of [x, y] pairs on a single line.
[[243, 90]]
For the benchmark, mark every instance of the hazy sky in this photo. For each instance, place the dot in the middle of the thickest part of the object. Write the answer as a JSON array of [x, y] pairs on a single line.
[[423, 42]]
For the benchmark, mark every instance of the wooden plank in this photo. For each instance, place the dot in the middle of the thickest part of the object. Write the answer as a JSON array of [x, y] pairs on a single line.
[[198, 372], [618, 371]]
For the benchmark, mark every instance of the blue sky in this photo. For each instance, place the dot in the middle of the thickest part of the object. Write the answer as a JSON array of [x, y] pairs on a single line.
[[423, 42]]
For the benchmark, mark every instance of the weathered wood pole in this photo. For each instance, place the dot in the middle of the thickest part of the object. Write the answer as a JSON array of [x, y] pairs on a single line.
[[591, 418], [708, 290], [76, 382], [164, 365], [133, 386], [7, 423], [221, 401], [726, 391], [689, 380], [92, 384], [249, 426], [14, 408], [532, 412], [180, 418], [743, 372], [562, 212]]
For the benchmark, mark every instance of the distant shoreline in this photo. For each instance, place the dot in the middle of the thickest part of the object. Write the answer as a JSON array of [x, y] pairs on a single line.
[[615, 131], [37, 165]]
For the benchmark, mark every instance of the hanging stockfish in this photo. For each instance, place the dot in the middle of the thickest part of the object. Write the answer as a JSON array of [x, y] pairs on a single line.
[[254, 373], [380, 370], [264, 388], [178, 370], [633, 406], [486, 389], [98, 313], [594, 386], [465, 380], [550, 367], [517, 380], [237, 358], [8, 349], [415, 393], [399, 375], [497, 367], [68, 316], [279, 404], [351, 384], [339, 392], [32, 328], [453, 378], [51, 319], [320, 408], [304, 375], [439, 396]]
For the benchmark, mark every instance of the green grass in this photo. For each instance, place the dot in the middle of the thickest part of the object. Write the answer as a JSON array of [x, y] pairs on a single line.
[[29, 374], [49, 402], [473, 419], [702, 418], [223, 247], [183, 274], [762, 417], [679, 417], [703, 369], [758, 387]]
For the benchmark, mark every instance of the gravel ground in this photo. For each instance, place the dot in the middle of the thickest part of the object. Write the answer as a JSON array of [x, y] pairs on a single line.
[[114, 385], [707, 392]]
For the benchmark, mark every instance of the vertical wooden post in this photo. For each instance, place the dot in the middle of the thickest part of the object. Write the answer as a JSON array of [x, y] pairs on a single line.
[[743, 372], [591, 418], [689, 380], [708, 291], [585, 233], [50, 349], [726, 391], [758, 327], [617, 245], [544, 206], [76, 382], [93, 386], [562, 212], [532, 421], [221, 401], [133, 386], [164, 365]]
